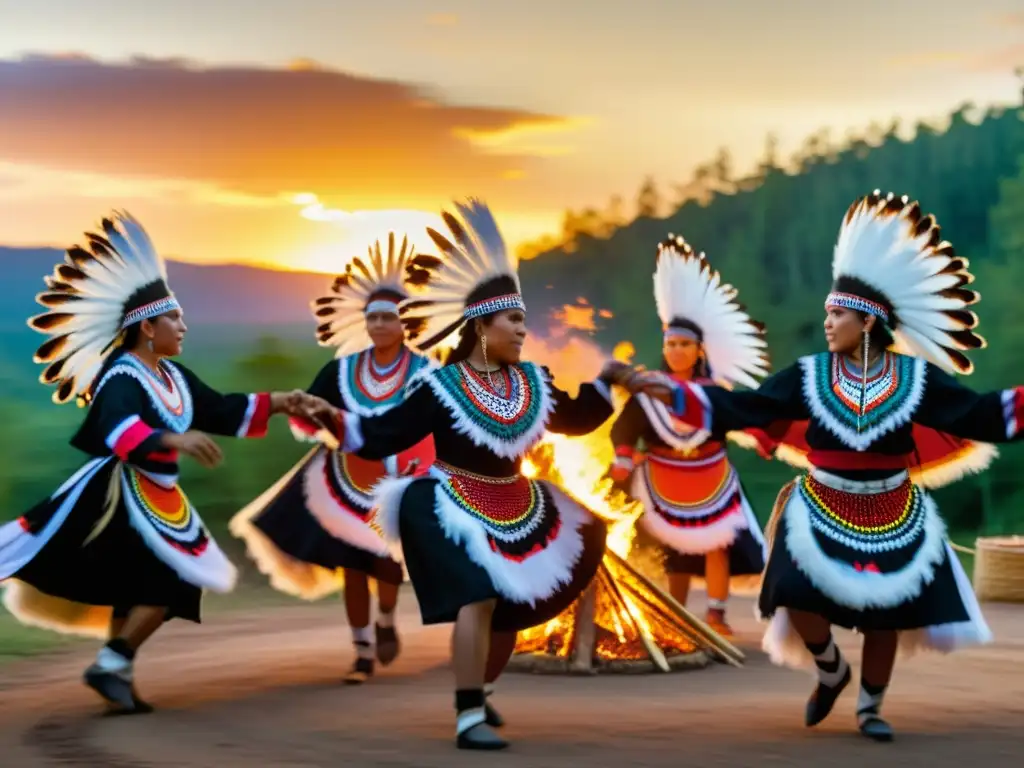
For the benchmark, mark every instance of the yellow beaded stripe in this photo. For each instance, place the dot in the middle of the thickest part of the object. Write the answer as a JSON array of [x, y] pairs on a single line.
[[819, 502]]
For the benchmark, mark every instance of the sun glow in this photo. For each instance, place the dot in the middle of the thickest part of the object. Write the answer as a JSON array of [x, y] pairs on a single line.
[[355, 231]]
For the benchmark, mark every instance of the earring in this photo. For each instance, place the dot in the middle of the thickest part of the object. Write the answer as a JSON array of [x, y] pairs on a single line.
[[150, 345], [865, 349], [487, 365]]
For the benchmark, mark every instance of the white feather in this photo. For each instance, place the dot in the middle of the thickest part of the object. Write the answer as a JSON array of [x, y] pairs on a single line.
[[476, 255], [130, 262], [346, 323], [686, 287], [877, 245]]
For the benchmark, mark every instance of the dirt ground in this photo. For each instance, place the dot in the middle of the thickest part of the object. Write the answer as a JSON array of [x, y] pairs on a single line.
[[263, 689]]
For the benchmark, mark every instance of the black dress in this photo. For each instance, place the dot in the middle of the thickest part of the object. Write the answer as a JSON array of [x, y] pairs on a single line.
[[315, 521], [858, 541], [692, 497], [121, 532], [474, 528]]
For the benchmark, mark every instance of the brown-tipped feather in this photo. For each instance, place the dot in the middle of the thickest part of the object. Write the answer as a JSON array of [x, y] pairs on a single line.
[[68, 273], [50, 349], [965, 317], [323, 301], [425, 261], [63, 393], [440, 240], [340, 282], [960, 360], [324, 312], [966, 338], [76, 255], [50, 320], [52, 372], [323, 328], [56, 299], [414, 304], [968, 297], [414, 326], [56, 285]]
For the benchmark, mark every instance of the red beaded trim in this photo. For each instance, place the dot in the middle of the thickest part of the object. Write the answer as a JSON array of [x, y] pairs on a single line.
[[862, 512]]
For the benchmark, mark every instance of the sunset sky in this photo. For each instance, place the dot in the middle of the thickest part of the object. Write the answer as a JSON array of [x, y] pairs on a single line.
[[290, 132]]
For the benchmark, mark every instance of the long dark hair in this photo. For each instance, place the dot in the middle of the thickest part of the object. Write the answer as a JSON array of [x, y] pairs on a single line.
[[701, 369], [128, 340], [468, 340]]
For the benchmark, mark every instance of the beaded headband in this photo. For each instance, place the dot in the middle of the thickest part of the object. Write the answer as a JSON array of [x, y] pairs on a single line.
[[684, 333], [151, 310], [385, 306], [858, 304], [492, 305]]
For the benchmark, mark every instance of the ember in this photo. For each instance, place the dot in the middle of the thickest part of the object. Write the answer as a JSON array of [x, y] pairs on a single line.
[[623, 622]]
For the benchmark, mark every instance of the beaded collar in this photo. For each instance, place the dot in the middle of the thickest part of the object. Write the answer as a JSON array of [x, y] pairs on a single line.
[[368, 389], [169, 394], [507, 424], [832, 392]]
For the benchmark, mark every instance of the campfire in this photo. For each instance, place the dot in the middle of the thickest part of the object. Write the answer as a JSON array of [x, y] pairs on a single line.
[[623, 622]]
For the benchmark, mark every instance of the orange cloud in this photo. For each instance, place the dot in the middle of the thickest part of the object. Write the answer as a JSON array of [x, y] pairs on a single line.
[[263, 132]]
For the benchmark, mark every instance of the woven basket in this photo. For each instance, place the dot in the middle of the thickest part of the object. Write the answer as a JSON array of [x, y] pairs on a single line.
[[999, 569]]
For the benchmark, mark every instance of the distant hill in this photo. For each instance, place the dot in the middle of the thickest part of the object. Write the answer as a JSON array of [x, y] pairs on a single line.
[[231, 294]]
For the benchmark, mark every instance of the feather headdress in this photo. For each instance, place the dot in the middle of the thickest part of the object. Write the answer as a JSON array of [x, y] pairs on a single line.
[[378, 284], [688, 291], [477, 277], [890, 261], [93, 296]]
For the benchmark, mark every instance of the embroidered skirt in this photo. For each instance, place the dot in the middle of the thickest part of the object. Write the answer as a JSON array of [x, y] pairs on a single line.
[[467, 538], [866, 556], [314, 522], [108, 540], [693, 507]]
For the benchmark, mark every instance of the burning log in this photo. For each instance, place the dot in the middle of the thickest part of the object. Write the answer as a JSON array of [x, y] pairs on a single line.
[[623, 622]]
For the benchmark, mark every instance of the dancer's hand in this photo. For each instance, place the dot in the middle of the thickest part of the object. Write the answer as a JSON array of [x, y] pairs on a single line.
[[653, 384], [195, 444]]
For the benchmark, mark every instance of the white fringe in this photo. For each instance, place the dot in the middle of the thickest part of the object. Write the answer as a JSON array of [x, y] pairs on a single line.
[[336, 519], [504, 448], [286, 574], [861, 590], [688, 541], [536, 578], [861, 441], [37, 609]]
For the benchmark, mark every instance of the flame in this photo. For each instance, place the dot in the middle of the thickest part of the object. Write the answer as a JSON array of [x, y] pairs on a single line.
[[579, 464]]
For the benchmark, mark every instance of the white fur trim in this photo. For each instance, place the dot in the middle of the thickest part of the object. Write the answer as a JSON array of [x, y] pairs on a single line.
[[336, 518], [387, 499], [692, 541], [861, 590], [785, 647], [673, 432], [210, 570], [503, 448], [861, 441], [536, 578], [286, 574], [946, 638], [37, 609]]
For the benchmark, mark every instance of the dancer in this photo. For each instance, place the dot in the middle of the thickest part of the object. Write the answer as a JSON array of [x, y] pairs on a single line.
[[485, 547], [118, 549], [694, 504], [314, 522], [860, 544]]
